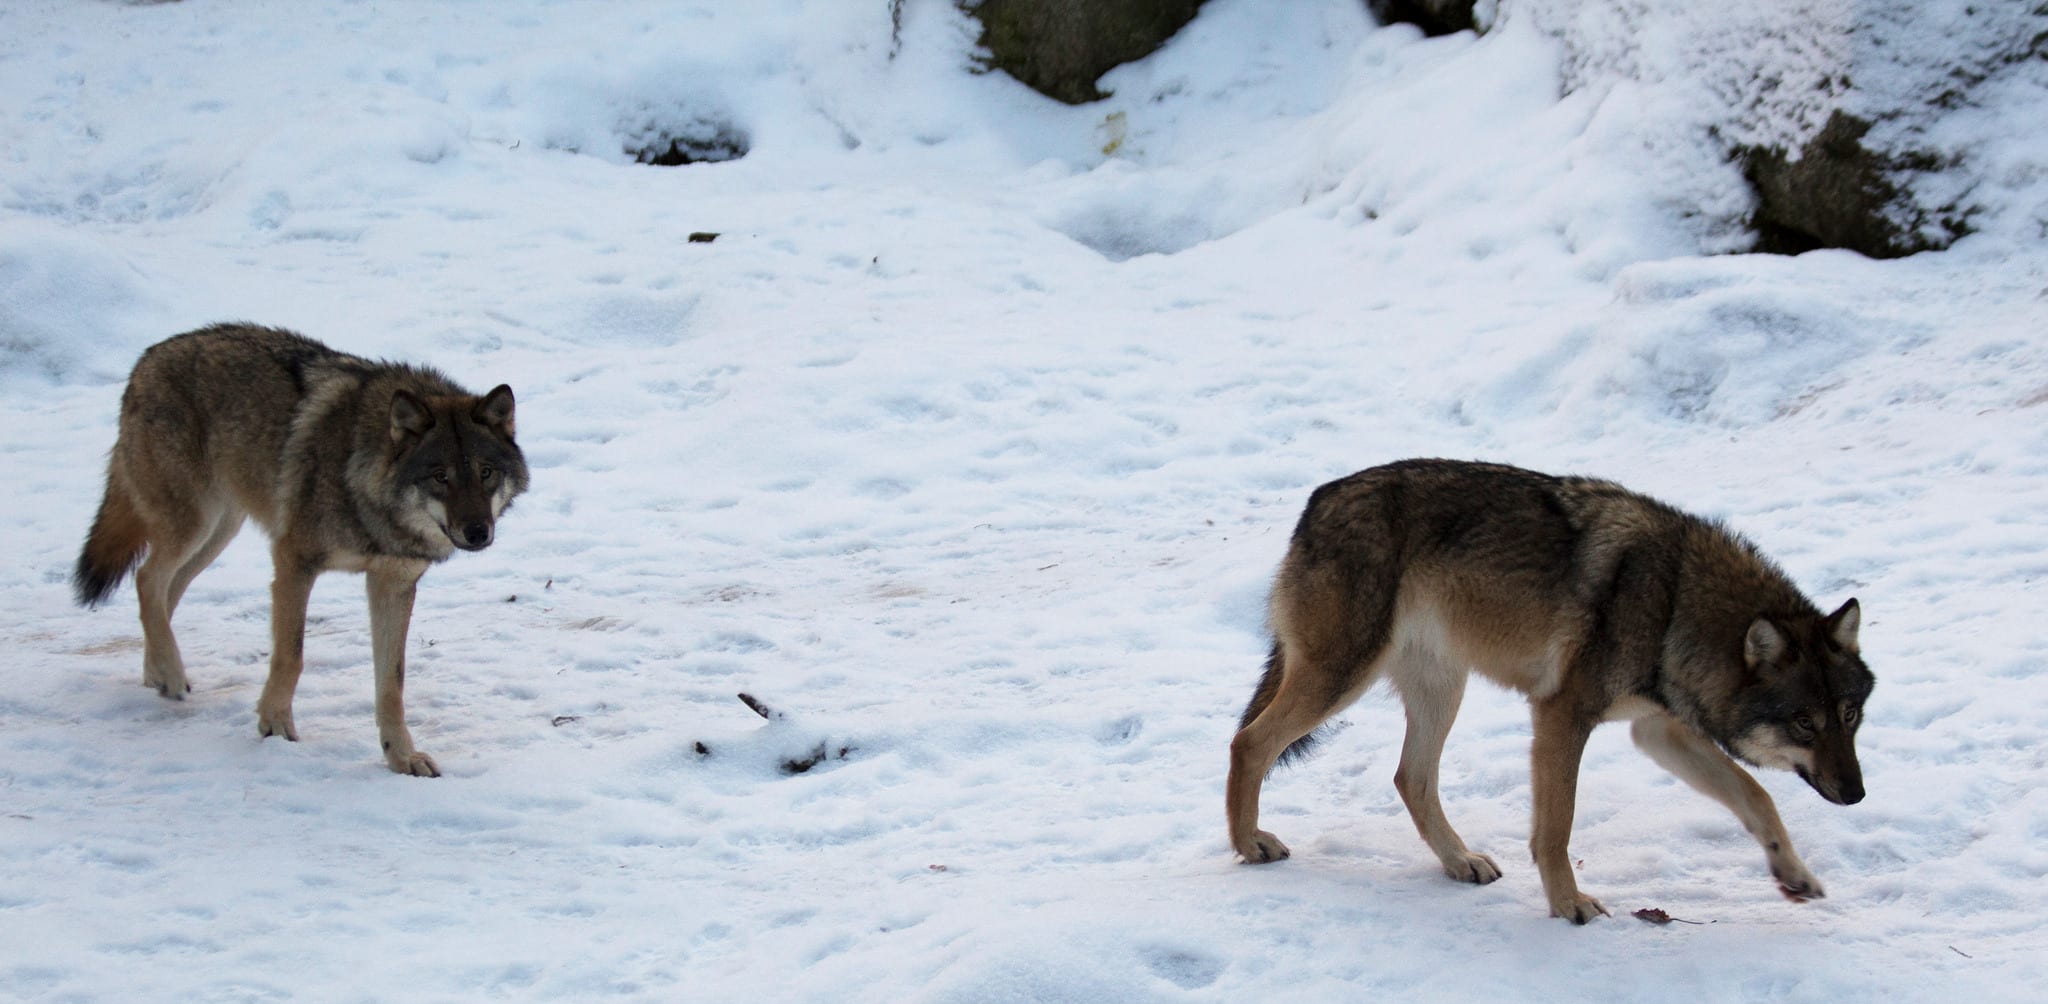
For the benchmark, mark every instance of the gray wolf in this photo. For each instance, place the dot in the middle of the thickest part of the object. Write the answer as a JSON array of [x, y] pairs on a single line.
[[348, 464], [1599, 604]]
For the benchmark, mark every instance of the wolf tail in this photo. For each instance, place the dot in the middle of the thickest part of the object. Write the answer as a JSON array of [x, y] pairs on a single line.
[[1269, 685], [113, 547]]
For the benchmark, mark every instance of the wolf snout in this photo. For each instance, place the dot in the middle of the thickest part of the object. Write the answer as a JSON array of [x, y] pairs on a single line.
[[475, 536], [1841, 791], [1847, 779], [1851, 792], [1843, 794]]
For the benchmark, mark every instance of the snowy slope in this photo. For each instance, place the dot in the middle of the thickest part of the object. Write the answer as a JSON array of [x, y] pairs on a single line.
[[969, 444]]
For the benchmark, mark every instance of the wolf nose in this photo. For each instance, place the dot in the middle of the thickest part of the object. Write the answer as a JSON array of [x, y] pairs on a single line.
[[1852, 793], [476, 534]]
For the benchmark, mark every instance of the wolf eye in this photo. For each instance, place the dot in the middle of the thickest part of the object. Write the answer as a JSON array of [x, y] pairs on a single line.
[[440, 476], [1849, 716], [1803, 723], [484, 473]]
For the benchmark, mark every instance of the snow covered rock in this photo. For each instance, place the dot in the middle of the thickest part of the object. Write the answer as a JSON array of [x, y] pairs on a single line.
[[1869, 125], [1837, 191]]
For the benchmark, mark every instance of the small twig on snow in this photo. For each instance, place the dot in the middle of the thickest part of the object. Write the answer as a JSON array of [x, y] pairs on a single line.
[[761, 709]]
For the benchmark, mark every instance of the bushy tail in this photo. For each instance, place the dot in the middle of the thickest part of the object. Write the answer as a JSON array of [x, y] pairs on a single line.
[[1269, 685], [112, 548]]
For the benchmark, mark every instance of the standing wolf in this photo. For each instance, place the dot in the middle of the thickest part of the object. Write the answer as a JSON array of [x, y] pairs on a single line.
[[1598, 603], [348, 464]]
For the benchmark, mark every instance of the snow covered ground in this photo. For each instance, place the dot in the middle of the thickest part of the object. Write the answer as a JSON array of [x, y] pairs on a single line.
[[970, 444]]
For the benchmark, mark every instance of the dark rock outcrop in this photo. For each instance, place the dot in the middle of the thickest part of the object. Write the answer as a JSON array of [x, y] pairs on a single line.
[[1060, 47], [1840, 193]]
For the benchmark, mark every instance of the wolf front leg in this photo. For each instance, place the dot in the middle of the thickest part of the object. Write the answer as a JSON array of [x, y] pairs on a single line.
[[290, 588], [392, 587], [1561, 734], [1696, 761]]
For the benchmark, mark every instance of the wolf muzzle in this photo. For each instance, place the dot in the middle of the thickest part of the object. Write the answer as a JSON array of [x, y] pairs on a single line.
[[1846, 791], [475, 536]]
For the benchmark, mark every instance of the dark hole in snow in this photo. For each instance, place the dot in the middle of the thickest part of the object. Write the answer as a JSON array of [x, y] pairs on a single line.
[[700, 142]]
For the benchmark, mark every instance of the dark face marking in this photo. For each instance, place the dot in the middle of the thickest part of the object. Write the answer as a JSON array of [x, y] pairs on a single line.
[[458, 452], [1810, 692]]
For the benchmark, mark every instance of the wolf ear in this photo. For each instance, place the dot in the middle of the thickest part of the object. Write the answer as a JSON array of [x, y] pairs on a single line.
[[409, 416], [1843, 624], [1763, 644], [495, 409]]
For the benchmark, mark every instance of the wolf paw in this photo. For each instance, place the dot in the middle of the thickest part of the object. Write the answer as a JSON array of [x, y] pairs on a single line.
[[172, 686], [1477, 869], [276, 723], [1262, 848], [416, 764], [1797, 884], [1581, 909]]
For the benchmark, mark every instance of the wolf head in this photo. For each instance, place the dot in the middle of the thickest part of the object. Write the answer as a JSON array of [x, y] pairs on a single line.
[[1804, 699], [458, 463]]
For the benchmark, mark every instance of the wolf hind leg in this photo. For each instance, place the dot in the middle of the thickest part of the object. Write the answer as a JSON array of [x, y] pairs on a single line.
[[1292, 713], [1431, 691], [1308, 692], [174, 540], [225, 526], [1695, 760]]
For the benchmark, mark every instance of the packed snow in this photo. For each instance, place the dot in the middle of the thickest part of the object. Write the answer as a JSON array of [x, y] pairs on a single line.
[[969, 446]]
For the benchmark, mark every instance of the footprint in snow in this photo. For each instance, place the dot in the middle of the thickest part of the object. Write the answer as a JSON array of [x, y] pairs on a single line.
[[1120, 731]]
